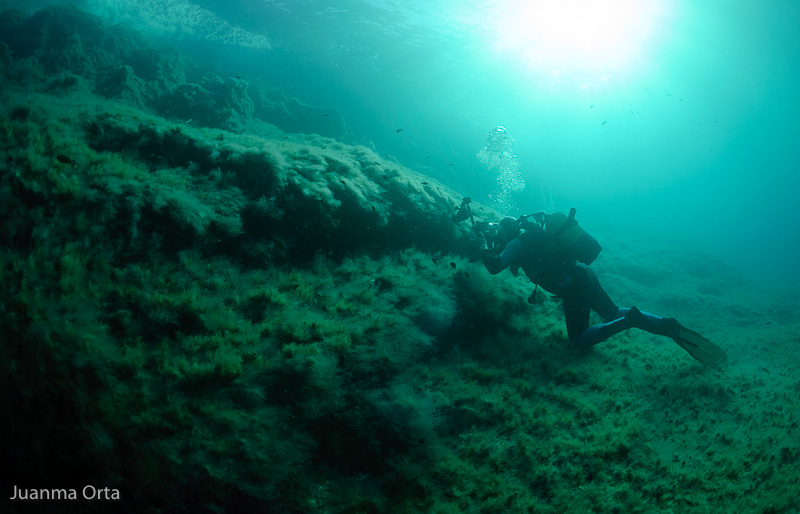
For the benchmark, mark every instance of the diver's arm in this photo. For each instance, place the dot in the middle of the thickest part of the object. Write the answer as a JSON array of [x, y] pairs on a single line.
[[497, 263]]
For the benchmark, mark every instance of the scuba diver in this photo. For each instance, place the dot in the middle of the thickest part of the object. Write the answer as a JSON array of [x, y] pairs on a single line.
[[555, 253]]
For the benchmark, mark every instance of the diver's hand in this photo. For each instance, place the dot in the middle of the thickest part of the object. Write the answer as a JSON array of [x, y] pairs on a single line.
[[491, 260]]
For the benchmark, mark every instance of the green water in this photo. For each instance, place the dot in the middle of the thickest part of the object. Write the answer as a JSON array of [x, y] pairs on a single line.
[[680, 123]]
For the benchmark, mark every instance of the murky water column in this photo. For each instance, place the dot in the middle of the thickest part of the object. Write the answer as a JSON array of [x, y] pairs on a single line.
[[498, 156]]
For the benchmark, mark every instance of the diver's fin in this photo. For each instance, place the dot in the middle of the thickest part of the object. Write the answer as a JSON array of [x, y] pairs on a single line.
[[701, 348]]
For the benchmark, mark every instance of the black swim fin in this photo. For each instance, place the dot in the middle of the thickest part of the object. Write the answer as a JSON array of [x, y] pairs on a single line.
[[701, 348]]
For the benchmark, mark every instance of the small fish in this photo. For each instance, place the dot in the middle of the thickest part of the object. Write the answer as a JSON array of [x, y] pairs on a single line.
[[424, 183], [591, 106], [453, 265], [63, 159], [398, 131], [434, 260], [451, 164], [325, 115], [467, 274], [238, 77], [604, 122]]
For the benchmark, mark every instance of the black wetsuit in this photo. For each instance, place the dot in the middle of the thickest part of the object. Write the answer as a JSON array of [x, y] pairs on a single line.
[[574, 282]]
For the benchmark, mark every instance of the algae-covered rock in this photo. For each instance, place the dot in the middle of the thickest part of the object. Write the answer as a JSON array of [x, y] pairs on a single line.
[[195, 309], [120, 64], [5, 57], [66, 39]]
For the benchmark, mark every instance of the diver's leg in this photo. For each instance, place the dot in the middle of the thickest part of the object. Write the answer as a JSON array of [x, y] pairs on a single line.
[[599, 300], [576, 315], [626, 318], [652, 323], [621, 319], [576, 302], [582, 295], [599, 333]]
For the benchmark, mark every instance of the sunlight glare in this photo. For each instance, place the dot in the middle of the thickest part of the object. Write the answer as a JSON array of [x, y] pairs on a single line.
[[586, 39]]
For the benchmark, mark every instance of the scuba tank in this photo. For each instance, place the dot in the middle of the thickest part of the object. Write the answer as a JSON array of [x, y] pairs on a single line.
[[572, 239]]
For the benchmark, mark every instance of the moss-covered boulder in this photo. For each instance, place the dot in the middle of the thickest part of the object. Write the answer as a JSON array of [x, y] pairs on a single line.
[[120, 64]]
